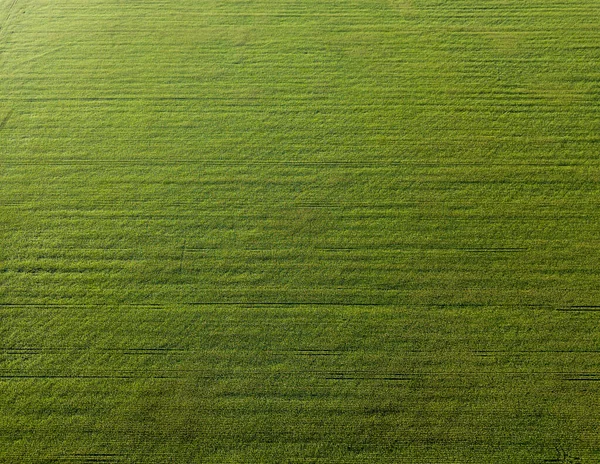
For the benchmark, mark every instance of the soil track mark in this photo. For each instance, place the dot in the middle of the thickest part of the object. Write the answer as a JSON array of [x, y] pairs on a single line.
[[9, 12], [5, 119]]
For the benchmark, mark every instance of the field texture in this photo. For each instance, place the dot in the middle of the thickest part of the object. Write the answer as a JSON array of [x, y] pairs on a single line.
[[284, 231]]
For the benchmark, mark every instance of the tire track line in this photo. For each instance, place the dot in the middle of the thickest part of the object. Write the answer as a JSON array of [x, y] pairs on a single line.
[[3, 26]]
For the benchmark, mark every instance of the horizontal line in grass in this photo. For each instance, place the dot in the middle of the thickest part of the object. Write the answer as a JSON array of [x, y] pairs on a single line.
[[80, 305], [368, 248], [566, 376], [124, 350], [96, 454], [300, 353], [401, 379], [278, 303], [432, 249], [315, 352], [579, 308], [532, 351], [582, 379], [326, 375], [59, 376], [117, 163], [492, 250]]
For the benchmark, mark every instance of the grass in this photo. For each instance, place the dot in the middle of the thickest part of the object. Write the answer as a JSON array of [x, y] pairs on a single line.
[[282, 231]]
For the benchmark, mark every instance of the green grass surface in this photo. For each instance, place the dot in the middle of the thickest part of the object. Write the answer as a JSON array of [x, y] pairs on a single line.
[[299, 232]]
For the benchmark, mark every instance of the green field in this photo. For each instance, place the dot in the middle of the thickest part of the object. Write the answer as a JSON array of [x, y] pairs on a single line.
[[283, 231]]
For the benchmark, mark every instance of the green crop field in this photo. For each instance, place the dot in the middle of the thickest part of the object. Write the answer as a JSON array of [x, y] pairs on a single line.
[[284, 231]]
